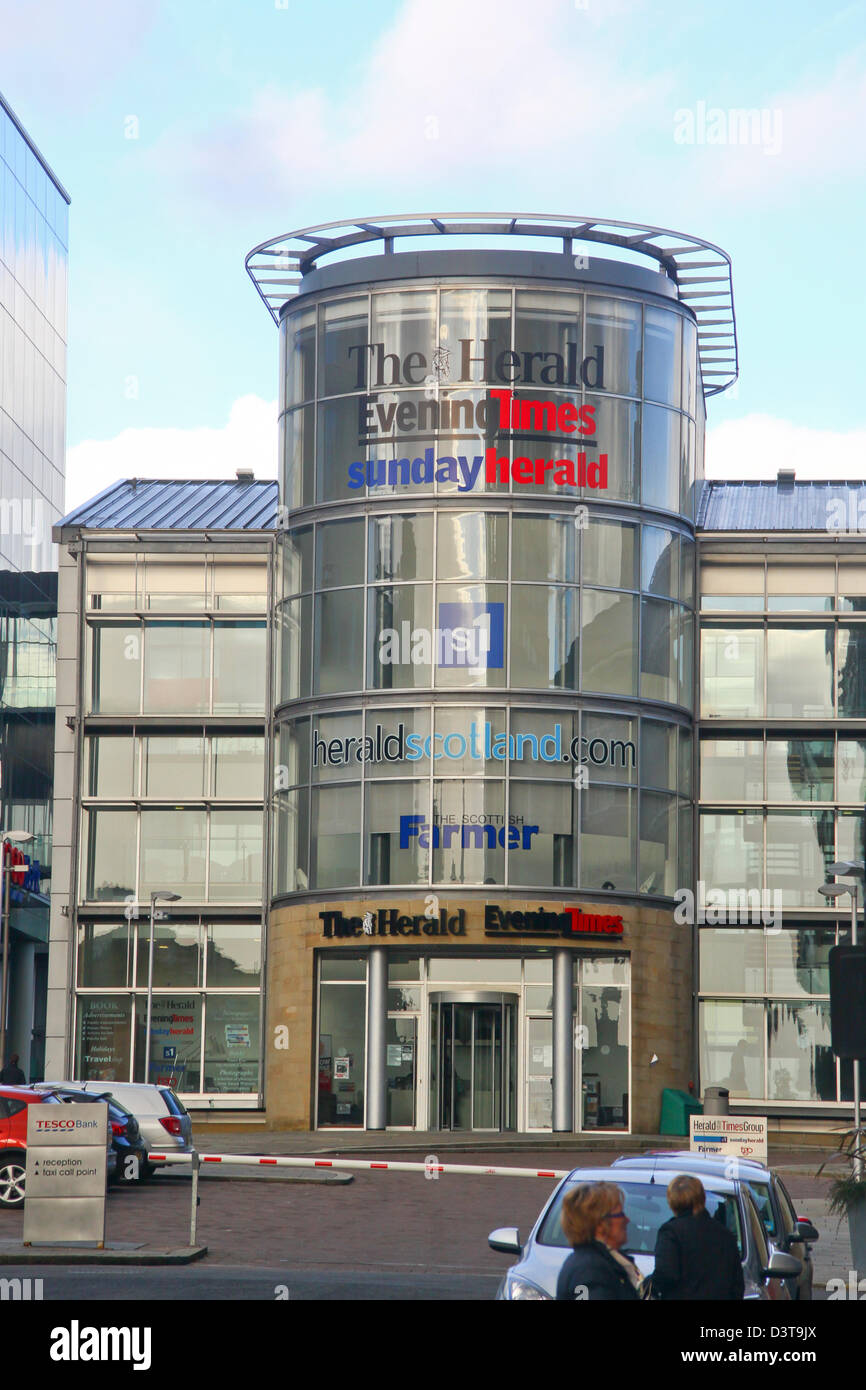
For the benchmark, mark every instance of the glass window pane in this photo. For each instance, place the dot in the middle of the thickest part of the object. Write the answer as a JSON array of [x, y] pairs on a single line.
[[177, 668], [732, 850], [543, 743], [239, 767], [660, 458], [175, 951], [604, 1014], [470, 827], [615, 326], [732, 960], [398, 839], [609, 743], [337, 747], [176, 1021], [103, 1037], [549, 322], [339, 651], [544, 548], [294, 636], [659, 562], [340, 428], [471, 619], [543, 816], [343, 360], [339, 554], [297, 430], [800, 1061], [658, 661], [851, 769], [291, 838], [799, 769], [234, 954], [732, 1047], [658, 843], [800, 850], [173, 853], [607, 839], [851, 671], [732, 769], [658, 754], [470, 741], [300, 333], [111, 766], [798, 961], [662, 345], [472, 545], [544, 637], [296, 549], [800, 672], [610, 642], [397, 743], [174, 767], [342, 1053], [115, 668], [334, 967], [240, 585], [403, 328], [401, 547], [239, 659], [105, 954], [850, 835], [617, 429], [732, 671], [111, 855], [467, 318], [335, 838], [231, 1043], [235, 856], [170, 583], [400, 652], [610, 555]]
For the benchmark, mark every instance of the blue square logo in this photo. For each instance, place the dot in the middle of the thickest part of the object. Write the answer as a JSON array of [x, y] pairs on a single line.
[[471, 634]]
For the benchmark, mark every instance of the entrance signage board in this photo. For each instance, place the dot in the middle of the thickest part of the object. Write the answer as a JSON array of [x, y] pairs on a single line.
[[65, 1177], [729, 1136]]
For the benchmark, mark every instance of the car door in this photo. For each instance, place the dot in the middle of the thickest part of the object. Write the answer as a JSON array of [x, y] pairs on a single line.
[[802, 1286], [4, 1122]]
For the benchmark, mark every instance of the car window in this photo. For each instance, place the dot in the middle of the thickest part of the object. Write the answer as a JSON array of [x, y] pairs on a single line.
[[789, 1216], [15, 1106], [646, 1206], [756, 1229], [171, 1100], [761, 1193]]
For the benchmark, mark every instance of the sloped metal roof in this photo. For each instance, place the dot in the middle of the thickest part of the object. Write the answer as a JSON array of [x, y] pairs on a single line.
[[807, 505], [137, 504]]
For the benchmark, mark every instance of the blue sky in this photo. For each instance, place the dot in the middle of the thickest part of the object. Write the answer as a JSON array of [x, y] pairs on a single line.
[[254, 117]]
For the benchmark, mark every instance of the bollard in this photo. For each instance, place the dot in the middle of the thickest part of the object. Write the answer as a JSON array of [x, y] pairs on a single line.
[[194, 1208]]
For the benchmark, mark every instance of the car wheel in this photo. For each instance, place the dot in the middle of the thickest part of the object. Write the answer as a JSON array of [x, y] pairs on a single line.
[[12, 1182]]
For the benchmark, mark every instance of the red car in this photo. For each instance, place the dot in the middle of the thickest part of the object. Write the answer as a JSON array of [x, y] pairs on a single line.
[[14, 1101]]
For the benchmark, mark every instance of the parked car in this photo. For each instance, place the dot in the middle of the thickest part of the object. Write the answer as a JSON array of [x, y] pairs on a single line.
[[125, 1140], [163, 1121], [785, 1230], [14, 1103], [542, 1256]]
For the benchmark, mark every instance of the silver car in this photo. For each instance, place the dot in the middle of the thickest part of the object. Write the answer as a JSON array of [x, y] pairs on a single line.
[[164, 1122], [785, 1230], [535, 1275]]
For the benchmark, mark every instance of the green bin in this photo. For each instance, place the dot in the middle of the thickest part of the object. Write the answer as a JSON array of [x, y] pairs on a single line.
[[677, 1106]]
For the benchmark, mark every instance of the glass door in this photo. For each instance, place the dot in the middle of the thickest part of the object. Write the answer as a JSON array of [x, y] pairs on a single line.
[[473, 1062], [539, 1073]]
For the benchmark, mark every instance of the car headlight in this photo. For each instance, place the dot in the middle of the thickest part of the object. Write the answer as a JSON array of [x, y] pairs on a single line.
[[516, 1287]]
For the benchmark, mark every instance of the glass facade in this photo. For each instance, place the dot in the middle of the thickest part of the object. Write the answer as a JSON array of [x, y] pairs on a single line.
[[172, 800], [781, 799]]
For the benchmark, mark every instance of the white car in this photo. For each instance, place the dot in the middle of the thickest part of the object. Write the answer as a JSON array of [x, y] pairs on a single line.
[[164, 1123]]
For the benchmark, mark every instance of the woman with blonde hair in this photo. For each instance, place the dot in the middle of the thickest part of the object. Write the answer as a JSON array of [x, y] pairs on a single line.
[[595, 1225]]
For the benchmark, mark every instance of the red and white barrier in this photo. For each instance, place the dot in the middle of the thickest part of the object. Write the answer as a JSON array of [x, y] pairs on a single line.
[[250, 1160]]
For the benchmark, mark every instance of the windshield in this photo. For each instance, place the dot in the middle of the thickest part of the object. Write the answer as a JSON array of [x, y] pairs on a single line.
[[646, 1206]]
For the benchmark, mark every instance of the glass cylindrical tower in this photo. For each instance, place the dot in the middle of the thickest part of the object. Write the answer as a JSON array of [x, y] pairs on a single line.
[[484, 685]]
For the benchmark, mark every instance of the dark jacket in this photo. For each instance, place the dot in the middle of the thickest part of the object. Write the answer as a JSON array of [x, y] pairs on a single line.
[[697, 1258], [593, 1267], [12, 1075]]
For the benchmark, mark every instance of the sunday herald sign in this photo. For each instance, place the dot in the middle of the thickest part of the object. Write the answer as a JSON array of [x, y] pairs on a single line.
[[729, 1136]]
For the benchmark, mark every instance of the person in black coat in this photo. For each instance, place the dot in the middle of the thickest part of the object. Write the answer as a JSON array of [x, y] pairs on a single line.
[[696, 1256], [595, 1224], [12, 1075]]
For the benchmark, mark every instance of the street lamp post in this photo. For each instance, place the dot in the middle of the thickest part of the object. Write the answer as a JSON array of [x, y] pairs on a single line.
[[164, 897], [853, 869], [16, 837]]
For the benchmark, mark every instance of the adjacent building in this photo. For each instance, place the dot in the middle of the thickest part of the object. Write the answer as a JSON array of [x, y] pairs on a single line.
[[33, 261]]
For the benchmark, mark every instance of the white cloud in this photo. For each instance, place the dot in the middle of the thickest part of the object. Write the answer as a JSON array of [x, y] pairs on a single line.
[[61, 55], [494, 85], [247, 440], [757, 446]]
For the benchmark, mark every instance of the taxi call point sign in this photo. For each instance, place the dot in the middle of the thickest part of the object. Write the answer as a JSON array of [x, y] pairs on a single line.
[[729, 1136], [64, 1187]]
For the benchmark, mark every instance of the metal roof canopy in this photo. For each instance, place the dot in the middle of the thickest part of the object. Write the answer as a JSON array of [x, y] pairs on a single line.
[[708, 292]]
